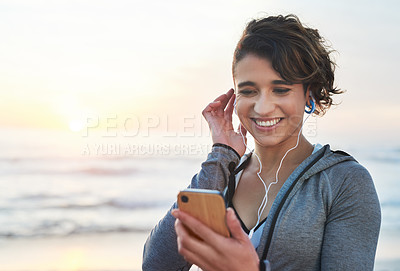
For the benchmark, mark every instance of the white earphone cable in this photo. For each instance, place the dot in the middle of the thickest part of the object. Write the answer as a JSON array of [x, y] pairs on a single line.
[[264, 202]]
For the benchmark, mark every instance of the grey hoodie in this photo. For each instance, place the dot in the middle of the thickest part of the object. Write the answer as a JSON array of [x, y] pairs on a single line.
[[326, 216]]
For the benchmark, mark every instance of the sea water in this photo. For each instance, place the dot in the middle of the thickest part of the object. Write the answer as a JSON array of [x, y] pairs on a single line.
[[51, 186]]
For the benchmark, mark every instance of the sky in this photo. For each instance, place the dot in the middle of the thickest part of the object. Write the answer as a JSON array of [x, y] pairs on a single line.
[[70, 65]]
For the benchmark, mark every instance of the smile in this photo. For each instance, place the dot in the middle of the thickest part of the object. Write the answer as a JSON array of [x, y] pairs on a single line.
[[267, 123]]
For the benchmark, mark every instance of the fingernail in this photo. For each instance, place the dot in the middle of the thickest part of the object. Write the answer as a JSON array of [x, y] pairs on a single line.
[[175, 213]]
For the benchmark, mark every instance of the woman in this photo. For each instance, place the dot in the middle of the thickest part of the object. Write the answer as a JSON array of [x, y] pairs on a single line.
[[293, 205]]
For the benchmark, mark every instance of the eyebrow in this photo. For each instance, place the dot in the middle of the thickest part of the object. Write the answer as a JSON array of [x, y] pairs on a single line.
[[275, 82], [281, 82], [246, 83]]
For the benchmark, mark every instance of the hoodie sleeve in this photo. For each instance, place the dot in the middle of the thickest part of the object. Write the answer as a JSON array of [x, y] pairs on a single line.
[[161, 250], [353, 223]]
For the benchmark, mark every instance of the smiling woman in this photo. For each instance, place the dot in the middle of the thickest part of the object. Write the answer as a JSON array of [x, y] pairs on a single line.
[[292, 205]]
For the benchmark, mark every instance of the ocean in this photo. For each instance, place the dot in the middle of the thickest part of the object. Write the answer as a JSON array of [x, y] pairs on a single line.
[[63, 184], [51, 186]]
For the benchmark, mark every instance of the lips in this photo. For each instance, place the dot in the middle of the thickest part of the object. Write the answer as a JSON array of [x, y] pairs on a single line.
[[267, 123]]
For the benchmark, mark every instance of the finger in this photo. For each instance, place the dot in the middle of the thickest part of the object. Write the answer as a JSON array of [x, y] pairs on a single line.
[[194, 258], [211, 110], [217, 106], [230, 108], [224, 98], [212, 106], [193, 250], [228, 96], [234, 226], [186, 240], [204, 263]]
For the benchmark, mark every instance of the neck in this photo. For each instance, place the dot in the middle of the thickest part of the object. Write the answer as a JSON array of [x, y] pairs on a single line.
[[271, 157]]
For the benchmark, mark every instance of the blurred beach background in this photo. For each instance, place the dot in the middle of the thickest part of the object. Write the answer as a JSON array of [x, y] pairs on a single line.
[[101, 126]]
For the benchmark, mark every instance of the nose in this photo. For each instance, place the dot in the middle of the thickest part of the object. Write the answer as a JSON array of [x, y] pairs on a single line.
[[264, 105]]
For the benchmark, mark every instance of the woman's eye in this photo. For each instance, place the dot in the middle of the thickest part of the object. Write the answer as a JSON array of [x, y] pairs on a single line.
[[246, 91], [281, 90]]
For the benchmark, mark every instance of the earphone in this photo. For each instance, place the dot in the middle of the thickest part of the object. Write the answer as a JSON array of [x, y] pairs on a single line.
[[265, 199], [312, 105]]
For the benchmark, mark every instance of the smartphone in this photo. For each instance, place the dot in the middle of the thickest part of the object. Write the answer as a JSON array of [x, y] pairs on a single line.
[[208, 206]]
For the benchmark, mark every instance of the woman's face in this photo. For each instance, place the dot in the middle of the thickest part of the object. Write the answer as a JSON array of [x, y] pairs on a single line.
[[270, 108]]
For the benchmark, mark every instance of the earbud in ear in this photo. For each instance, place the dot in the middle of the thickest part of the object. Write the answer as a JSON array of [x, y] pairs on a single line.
[[311, 106]]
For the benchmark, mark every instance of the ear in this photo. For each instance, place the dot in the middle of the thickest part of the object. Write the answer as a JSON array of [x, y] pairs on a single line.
[[310, 101], [307, 94], [309, 97], [307, 91]]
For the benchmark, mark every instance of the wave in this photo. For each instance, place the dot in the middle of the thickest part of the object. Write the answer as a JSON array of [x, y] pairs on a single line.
[[46, 201], [96, 171], [63, 229], [38, 196], [95, 167], [42, 222], [118, 204]]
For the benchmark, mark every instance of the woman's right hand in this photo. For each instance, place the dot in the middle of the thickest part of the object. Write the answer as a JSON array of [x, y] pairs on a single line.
[[218, 115]]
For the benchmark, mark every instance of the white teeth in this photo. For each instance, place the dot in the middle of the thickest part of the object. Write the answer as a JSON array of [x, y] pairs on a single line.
[[268, 123]]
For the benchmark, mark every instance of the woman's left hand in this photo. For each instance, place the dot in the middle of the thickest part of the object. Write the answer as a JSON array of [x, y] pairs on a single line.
[[215, 252]]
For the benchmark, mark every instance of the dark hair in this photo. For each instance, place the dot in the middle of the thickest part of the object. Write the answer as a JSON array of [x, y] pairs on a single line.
[[299, 54]]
